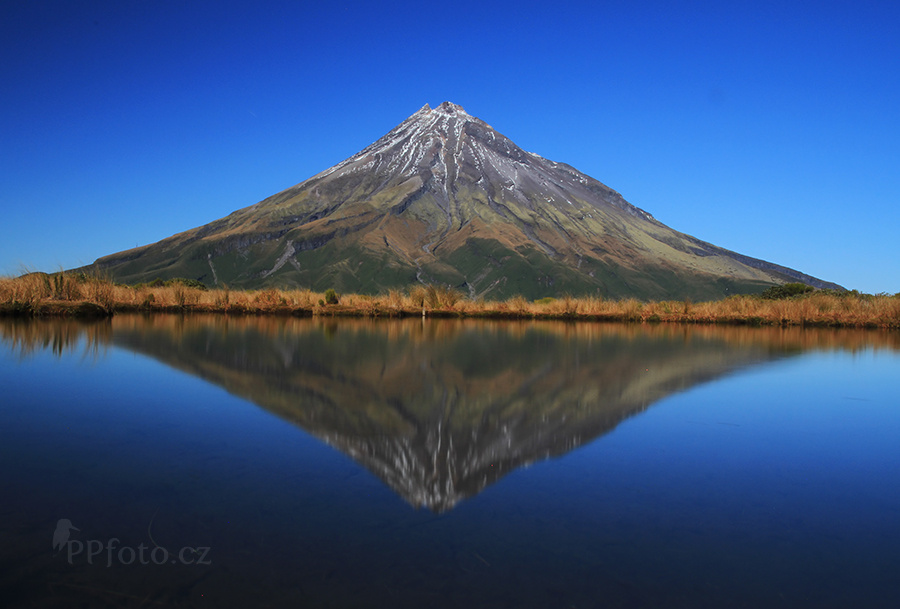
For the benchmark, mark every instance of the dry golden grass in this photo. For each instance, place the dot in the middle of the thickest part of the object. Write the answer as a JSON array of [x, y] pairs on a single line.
[[41, 293]]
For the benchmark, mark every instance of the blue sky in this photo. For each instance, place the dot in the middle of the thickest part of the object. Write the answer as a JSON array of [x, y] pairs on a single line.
[[769, 128]]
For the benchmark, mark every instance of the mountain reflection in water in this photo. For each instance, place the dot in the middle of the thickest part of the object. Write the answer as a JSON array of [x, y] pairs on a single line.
[[440, 409]]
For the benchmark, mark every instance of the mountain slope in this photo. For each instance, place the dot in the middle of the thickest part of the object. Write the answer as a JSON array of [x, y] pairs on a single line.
[[445, 198]]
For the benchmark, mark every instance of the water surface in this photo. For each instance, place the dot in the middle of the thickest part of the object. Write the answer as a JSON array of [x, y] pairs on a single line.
[[351, 463]]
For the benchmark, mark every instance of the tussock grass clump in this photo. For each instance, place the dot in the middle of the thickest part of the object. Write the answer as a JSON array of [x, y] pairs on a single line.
[[99, 291], [25, 290], [431, 296], [518, 304], [394, 300], [270, 298], [591, 305]]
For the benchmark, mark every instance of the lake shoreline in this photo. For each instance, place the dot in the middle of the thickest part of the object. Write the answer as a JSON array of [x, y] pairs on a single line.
[[83, 296], [646, 313]]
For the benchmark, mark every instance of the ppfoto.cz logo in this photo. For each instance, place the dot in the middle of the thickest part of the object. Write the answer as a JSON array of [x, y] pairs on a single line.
[[95, 550]]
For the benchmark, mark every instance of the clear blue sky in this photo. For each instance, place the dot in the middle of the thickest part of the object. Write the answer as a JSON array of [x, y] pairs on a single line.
[[769, 128]]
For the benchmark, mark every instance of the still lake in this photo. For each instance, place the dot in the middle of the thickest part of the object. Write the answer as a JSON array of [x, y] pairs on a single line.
[[212, 461]]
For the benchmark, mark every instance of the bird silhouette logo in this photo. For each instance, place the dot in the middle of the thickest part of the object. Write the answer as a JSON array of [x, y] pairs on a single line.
[[61, 534]]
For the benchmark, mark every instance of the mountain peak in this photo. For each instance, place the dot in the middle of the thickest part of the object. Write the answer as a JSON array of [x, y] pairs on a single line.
[[450, 108], [445, 109], [445, 198]]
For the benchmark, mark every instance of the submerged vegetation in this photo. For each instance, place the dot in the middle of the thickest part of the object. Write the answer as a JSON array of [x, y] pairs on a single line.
[[42, 294]]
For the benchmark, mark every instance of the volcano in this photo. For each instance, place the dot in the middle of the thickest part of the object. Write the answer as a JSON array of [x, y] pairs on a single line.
[[443, 198]]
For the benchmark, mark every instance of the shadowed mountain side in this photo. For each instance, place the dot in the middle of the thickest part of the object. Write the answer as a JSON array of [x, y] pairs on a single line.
[[444, 198], [441, 409]]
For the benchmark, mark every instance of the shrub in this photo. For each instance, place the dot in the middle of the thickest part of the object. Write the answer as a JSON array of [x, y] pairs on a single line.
[[188, 283], [331, 297], [788, 290]]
